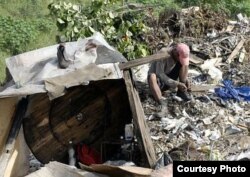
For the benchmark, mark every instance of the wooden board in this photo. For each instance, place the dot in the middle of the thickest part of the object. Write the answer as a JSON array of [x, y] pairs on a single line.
[[114, 171], [50, 125], [235, 51], [56, 169], [145, 141], [202, 88], [148, 59], [18, 164], [12, 135], [141, 61], [7, 109], [15, 162]]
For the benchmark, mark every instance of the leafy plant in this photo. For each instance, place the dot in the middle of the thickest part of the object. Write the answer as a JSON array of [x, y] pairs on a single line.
[[124, 30]]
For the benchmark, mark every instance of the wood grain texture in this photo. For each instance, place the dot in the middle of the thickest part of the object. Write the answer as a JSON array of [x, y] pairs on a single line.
[[50, 125], [141, 61], [141, 127], [7, 109]]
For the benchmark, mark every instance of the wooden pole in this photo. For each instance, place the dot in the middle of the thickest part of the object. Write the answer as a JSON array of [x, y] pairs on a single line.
[[141, 61]]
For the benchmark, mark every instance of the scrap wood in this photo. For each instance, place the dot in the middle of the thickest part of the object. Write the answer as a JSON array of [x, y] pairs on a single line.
[[194, 22], [9, 146], [236, 51], [242, 55], [139, 121], [130, 64], [56, 169], [117, 170], [141, 61], [230, 28], [195, 60], [202, 88]]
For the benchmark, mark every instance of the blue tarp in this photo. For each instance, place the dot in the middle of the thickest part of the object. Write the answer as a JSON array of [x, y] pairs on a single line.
[[231, 92]]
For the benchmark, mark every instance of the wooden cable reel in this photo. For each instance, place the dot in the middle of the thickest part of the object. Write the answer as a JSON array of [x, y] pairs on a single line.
[[76, 113], [86, 114]]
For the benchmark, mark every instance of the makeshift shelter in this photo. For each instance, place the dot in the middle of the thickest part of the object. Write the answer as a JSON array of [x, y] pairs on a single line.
[[89, 102]]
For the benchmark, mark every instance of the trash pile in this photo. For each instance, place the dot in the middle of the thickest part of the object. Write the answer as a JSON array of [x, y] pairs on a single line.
[[216, 124], [192, 22]]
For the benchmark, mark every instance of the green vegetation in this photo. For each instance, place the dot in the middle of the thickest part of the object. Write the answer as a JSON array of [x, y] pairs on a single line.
[[121, 29], [29, 24], [17, 34]]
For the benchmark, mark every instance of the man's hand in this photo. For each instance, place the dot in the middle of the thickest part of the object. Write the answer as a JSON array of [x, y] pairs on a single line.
[[181, 86], [188, 85]]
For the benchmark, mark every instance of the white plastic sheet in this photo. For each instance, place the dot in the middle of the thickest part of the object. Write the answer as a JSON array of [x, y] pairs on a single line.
[[33, 72]]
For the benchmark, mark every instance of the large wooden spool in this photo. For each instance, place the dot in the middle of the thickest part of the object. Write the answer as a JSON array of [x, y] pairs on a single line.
[[89, 114]]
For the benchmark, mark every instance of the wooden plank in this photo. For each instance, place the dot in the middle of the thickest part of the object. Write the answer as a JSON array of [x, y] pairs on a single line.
[[143, 134], [115, 171], [56, 169], [18, 164], [141, 61], [195, 60], [236, 51], [7, 109], [202, 88], [230, 28], [9, 146]]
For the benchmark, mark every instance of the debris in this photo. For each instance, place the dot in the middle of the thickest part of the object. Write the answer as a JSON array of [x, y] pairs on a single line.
[[141, 73], [202, 88], [231, 92], [213, 72], [231, 129], [242, 55], [215, 135], [56, 169], [244, 143], [214, 121], [117, 170], [162, 172], [207, 121], [129, 132], [193, 22], [242, 19], [163, 161], [176, 98], [71, 152], [207, 133], [156, 138], [235, 51], [240, 156], [34, 164]]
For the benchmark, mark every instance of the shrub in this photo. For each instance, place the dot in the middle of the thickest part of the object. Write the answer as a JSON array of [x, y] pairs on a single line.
[[16, 34]]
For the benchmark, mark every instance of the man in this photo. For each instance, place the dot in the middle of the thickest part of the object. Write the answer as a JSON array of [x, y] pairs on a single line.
[[163, 74]]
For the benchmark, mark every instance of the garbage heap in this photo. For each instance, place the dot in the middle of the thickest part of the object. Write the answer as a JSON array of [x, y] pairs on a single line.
[[216, 125]]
